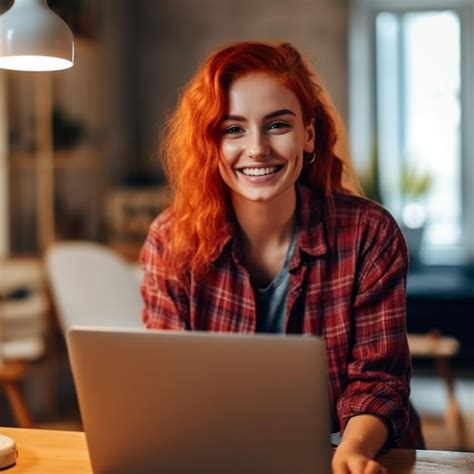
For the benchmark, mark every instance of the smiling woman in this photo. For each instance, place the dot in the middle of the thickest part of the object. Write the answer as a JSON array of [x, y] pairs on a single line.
[[266, 233], [195, 138]]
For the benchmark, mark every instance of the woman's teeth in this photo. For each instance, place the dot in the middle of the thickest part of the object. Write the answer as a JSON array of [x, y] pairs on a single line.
[[259, 171]]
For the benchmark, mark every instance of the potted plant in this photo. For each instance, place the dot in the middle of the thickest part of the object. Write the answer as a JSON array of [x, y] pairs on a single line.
[[414, 186]]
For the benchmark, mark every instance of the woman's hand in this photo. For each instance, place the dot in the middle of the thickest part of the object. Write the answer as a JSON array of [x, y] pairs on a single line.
[[352, 457]]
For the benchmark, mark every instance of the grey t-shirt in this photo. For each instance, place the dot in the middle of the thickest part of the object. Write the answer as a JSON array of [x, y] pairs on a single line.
[[271, 301]]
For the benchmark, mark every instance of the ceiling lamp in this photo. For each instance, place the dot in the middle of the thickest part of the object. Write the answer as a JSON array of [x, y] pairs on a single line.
[[34, 38]]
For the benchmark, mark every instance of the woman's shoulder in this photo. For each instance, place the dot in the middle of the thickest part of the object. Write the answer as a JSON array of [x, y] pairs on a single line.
[[345, 209], [351, 221], [160, 228], [360, 209], [368, 223], [158, 239]]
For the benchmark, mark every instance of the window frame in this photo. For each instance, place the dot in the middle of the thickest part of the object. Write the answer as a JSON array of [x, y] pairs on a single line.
[[363, 105]]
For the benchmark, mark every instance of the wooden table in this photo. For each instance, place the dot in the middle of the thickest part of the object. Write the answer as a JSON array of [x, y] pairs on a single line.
[[51, 452]]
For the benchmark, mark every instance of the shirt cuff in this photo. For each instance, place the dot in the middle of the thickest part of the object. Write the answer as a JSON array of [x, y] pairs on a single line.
[[392, 413]]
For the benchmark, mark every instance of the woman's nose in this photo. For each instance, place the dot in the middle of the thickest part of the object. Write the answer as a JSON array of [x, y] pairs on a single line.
[[257, 146]]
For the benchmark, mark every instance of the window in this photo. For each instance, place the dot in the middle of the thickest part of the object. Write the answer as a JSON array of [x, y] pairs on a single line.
[[410, 80]]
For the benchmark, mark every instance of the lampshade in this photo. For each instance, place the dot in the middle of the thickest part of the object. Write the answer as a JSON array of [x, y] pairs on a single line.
[[33, 38]]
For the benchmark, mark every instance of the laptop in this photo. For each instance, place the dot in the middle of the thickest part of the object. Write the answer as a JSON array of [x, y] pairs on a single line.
[[201, 402]]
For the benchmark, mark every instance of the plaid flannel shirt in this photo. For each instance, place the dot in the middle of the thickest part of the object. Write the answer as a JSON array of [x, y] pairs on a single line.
[[347, 285]]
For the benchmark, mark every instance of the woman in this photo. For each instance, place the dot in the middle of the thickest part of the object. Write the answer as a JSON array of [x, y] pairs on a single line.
[[266, 233]]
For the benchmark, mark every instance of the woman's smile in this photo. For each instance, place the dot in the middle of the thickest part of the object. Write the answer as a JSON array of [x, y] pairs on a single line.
[[261, 175]]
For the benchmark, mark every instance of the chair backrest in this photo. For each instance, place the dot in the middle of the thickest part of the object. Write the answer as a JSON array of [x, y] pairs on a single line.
[[92, 285]]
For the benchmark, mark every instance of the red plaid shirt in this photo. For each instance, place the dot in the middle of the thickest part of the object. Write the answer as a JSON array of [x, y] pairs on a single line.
[[347, 284]]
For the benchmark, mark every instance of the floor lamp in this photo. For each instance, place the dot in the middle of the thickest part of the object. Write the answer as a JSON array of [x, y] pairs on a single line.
[[32, 38]]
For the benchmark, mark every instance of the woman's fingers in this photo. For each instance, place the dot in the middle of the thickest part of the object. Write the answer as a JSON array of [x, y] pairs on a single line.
[[358, 466], [340, 467], [373, 467]]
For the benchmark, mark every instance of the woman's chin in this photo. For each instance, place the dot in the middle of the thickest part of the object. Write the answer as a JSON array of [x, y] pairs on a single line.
[[267, 194]]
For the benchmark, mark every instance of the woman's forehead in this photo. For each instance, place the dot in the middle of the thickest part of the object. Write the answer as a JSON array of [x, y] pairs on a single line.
[[259, 94]]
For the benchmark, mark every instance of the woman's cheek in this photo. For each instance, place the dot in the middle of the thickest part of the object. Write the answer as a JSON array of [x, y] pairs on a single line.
[[229, 150]]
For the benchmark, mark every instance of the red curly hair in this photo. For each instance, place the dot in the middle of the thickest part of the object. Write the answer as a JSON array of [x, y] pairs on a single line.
[[191, 146]]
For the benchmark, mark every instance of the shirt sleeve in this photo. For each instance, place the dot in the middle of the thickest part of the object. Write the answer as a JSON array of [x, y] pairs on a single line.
[[379, 368], [165, 298]]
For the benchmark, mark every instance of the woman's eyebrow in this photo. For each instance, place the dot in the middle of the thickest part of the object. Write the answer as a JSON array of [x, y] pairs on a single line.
[[277, 113]]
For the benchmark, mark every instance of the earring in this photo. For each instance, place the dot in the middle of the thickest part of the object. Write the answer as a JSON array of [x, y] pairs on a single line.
[[309, 158]]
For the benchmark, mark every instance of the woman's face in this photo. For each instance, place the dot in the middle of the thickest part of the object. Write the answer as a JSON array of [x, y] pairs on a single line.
[[263, 138]]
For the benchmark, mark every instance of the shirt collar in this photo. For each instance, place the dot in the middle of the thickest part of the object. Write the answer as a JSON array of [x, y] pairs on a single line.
[[311, 229]]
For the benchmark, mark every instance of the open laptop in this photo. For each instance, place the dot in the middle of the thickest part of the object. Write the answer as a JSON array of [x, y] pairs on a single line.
[[201, 402]]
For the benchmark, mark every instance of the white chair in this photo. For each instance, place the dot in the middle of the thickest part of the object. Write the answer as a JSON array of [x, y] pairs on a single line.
[[92, 285]]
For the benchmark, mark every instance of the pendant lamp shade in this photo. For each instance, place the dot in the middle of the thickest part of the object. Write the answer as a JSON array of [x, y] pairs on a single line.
[[34, 38]]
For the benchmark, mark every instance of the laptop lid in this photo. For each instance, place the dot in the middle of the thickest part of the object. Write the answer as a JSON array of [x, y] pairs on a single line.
[[201, 402]]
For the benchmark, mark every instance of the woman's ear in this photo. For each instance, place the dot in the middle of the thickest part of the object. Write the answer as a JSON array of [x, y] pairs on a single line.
[[309, 137]]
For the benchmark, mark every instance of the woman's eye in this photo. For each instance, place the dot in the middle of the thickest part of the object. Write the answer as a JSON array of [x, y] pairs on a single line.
[[278, 126], [233, 130]]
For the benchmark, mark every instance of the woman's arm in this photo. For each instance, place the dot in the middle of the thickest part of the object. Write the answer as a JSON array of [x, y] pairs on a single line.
[[379, 367], [363, 438], [373, 409]]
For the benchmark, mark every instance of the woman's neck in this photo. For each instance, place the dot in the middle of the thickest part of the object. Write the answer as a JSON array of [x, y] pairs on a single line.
[[266, 223]]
